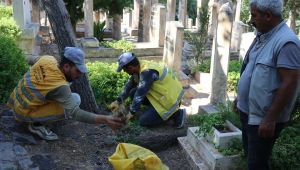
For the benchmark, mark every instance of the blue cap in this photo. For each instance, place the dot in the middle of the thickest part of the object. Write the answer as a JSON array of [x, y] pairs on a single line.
[[76, 55], [124, 59]]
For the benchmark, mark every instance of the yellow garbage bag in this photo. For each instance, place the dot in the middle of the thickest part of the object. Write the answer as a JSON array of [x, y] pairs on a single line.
[[132, 157]]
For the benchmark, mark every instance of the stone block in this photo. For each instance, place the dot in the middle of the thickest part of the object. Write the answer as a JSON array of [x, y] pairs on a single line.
[[209, 108], [184, 79], [30, 31], [210, 155], [222, 140], [193, 157], [89, 42]]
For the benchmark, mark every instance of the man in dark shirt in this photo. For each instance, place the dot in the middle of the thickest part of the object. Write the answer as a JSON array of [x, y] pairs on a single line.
[[154, 85]]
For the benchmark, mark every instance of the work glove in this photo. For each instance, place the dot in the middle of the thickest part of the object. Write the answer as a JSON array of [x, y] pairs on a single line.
[[114, 105]]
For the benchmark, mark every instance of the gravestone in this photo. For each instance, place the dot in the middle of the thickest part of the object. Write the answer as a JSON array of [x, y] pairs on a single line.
[[88, 18], [27, 41], [190, 23], [237, 28], [127, 18], [171, 10], [158, 24], [173, 44], [146, 20], [221, 54], [182, 10], [35, 13]]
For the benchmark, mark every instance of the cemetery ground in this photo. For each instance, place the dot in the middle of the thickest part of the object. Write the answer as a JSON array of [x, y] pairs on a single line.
[[81, 146]]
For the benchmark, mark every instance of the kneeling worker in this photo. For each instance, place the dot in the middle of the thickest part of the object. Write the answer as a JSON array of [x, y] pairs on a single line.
[[43, 95], [152, 84]]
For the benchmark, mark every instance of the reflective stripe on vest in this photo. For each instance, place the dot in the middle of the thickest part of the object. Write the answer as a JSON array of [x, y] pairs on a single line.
[[32, 87], [165, 93], [174, 107]]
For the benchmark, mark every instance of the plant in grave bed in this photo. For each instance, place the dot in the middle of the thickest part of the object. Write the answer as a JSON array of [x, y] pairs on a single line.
[[217, 129], [130, 133], [124, 45]]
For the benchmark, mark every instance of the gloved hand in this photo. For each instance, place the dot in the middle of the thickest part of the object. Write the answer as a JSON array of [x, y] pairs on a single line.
[[114, 105]]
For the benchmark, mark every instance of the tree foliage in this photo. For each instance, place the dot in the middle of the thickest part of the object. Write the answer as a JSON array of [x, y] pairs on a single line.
[[75, 11], [199, 39], [113, 6]]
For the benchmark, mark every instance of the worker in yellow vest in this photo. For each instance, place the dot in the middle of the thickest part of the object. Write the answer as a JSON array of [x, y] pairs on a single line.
[[152, 84], [43, 95]]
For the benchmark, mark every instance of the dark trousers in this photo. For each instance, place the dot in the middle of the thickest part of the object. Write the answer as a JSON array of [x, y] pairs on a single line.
[[257, 150]]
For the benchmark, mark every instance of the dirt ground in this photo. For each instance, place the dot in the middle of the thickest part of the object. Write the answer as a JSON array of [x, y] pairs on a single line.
[[83, 146]]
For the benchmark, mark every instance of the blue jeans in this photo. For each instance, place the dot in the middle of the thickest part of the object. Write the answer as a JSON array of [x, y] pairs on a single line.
[[257, 150], [150, 117]]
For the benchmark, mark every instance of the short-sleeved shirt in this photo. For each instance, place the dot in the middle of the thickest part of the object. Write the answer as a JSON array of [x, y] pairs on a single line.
[[287, 58]]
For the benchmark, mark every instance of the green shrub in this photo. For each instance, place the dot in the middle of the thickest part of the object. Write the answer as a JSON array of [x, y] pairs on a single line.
[[233, 75], [232, 80], [8, 26], [6, 11], [234, 66], [99, 28], [126, 46], [12, 66], [204, 66], [105, 81], [286, 151]]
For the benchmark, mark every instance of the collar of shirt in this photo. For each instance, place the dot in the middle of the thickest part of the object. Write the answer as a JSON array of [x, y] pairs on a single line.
[[263, 37]]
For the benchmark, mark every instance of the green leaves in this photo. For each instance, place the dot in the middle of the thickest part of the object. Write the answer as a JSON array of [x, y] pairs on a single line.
[[286, 151], [12, 66], [126, 46], [12, 60], [8, 26], [99, 28], [105, 81]]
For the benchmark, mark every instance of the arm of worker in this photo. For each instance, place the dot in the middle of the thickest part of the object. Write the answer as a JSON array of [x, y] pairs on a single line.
[[126, 90], [147, 77], [64, 96], [288, 66]]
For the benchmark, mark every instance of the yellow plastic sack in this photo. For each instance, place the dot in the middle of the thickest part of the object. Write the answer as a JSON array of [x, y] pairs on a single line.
[[133, 157]]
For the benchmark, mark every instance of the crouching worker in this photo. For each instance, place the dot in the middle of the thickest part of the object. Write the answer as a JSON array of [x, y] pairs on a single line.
[[152, 84], [43, 95]]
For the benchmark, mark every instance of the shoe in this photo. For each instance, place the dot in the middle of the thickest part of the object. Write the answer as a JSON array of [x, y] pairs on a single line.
[[43, 132], [179, 122]]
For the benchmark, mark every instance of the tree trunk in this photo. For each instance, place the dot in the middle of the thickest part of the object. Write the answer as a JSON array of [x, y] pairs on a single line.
[[64, 36], [293, 16], [117, 27]]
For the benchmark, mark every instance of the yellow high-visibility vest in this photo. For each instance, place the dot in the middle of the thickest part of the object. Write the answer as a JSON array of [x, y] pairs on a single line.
[[28, 98], [166, 93]]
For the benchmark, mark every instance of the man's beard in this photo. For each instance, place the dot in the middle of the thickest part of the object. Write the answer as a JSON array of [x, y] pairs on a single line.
[[68, 76]]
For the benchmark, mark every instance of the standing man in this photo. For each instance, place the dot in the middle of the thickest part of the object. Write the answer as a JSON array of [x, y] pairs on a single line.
[[269, 82], [154, 85], [43, 95]]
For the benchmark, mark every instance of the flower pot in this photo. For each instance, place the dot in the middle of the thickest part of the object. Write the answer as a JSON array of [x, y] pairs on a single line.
[[223, 139]]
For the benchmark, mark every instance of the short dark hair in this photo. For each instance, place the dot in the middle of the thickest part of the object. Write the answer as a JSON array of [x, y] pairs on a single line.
[[64, 60], [134, 62]]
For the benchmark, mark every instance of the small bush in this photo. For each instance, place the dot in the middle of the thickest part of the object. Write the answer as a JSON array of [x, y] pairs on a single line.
[[6, 11], [8, 26], [126, 46], [232, 80], [204, 67], [12, 66], [286, 151], [99, 28], [107, 84]]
